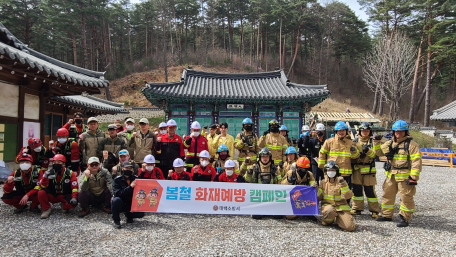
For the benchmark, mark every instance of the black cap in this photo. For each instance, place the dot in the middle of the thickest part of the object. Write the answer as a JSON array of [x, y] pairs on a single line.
[[213, 126], [127, 164]]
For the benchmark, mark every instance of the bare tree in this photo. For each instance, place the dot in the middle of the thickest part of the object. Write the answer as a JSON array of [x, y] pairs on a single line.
[[388, 69]]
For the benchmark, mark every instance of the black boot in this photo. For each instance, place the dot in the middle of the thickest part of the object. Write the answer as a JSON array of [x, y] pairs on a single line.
[[402, 223], [381, 218]]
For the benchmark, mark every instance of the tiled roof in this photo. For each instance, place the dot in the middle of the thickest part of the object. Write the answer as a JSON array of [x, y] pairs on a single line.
[[239, 86], [92, 102], [342, 116], [16, 50], [446, 113]]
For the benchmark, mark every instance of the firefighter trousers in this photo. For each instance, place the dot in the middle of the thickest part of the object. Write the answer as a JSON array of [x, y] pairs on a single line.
[[358, 198], [406, 192], [46, 199], [343, 219], [14, 198]]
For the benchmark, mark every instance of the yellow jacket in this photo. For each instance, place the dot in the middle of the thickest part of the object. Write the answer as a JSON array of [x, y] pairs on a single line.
[[212, 143], [277, 144], [334, 193], [338, 149]]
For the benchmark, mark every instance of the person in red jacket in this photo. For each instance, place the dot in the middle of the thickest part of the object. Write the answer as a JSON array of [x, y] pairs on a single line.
[[195, 143], [38, 152], [203, 171], [148, 170], [169, 147], [76, 125], [58, 185], [179, 172], [69, 148], [228, 175], [21, 186]]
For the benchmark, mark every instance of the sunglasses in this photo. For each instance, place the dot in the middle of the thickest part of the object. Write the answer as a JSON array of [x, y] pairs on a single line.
[[94, 164]]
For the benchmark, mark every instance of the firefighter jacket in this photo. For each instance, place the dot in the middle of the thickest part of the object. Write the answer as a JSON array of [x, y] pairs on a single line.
[[25, 183], [277, 144], [183, 176], [313, 144], [261, 173], [228, 141], [39, 159], [112, 145], [126, 136], [366, 161], [203, 174], [293, 178], [212, 143], [334, 193], [406, 160], [143, 144], [89, 143], [97, 183], [75, 130], [156, 173], [286, 167], [64, 183], [195, 145], [338, 149], [169, 149], [235, 178], [247, 145], [70, 150]]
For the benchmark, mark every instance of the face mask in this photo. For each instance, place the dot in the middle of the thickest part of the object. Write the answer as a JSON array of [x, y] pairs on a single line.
[[62, 140], [130, 127], [127, 172], [204, 163], [38, 149], [78, 121], [149, 168], [319, 133], [229, 173], [25, 166], [57, 167], [195, 134], [274, 129], [223, 156], [248, 128], [163, 131], [331, 174]]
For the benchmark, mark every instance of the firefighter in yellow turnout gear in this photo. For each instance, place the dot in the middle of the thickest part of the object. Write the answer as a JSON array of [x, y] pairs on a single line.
[[333, 194], [246, 142], [275, 142], [402, 169], [364, 173]]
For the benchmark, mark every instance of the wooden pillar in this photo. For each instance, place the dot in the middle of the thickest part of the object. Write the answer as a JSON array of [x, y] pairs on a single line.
[[20, 123]]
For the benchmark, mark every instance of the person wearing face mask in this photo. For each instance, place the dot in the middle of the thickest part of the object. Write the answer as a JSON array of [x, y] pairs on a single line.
[[126, 135], [225, 139], [223, 156], [95, 188], [212, 139], [149, 170], [76, 125], [38, 152], [283, 130], [58, 185], [194, 143], [112, 143], [275, 142], [303, 149], [122, 188], [21, 186], [333, 194], [203, 171], [229, 174], [340, 149], [169, 147], [246, 142], [143, 141], [292, 156], [69, 148], [314, 144], [179, 172], [162, 131], [123, 157]]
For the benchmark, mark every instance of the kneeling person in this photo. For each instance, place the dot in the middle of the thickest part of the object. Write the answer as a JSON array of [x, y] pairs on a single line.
[[179, 172], [149, 170], [95, 187]]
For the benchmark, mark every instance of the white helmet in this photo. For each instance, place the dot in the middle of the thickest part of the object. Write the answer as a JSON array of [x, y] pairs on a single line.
[[178, 163], [305, 128], [195, 125], [162, 125], [320, 127], [149, 159], [171, 123], [229, 164], [204, 154]]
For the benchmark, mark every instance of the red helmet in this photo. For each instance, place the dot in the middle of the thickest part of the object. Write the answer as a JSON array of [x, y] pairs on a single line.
[[303, 162], [34, 142], [62, 132], [26, 157], [59, 157]]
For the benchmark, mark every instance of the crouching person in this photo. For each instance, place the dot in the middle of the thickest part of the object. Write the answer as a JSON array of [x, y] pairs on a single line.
[[58, 185], [229, 175], [149, 170], [333, 194], [122, 188], [179, 172], [21, 186], [95, 188]]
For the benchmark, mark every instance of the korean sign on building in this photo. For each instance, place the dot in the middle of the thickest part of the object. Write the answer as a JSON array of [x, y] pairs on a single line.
[[235, 106]]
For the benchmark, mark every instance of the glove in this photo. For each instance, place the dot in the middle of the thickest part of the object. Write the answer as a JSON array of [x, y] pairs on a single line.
[[340, 180], [211, 160], [218, 169], [301, 136], [294, 141], [377, 137], [247, 161], [365, 148], [74, 201], [352, 148], [188, 141], [293, 166], [281, 164], [307, 133], [266, 132], [411, 181], [49, 173], [314, 184]]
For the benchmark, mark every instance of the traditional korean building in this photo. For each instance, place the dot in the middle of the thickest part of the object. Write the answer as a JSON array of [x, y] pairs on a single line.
[[38, 94], [446, 114], [209, 97]]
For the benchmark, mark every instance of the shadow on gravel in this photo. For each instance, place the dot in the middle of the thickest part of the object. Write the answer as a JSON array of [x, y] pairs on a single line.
[[433, 223]]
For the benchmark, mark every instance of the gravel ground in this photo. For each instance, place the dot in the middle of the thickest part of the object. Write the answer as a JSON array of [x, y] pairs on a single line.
[[431, 232]]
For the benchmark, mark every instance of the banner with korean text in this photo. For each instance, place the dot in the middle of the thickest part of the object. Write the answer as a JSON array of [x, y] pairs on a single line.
[[166, 196]]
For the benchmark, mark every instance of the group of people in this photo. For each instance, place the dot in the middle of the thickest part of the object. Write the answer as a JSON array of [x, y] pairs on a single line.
[[85, 167]]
